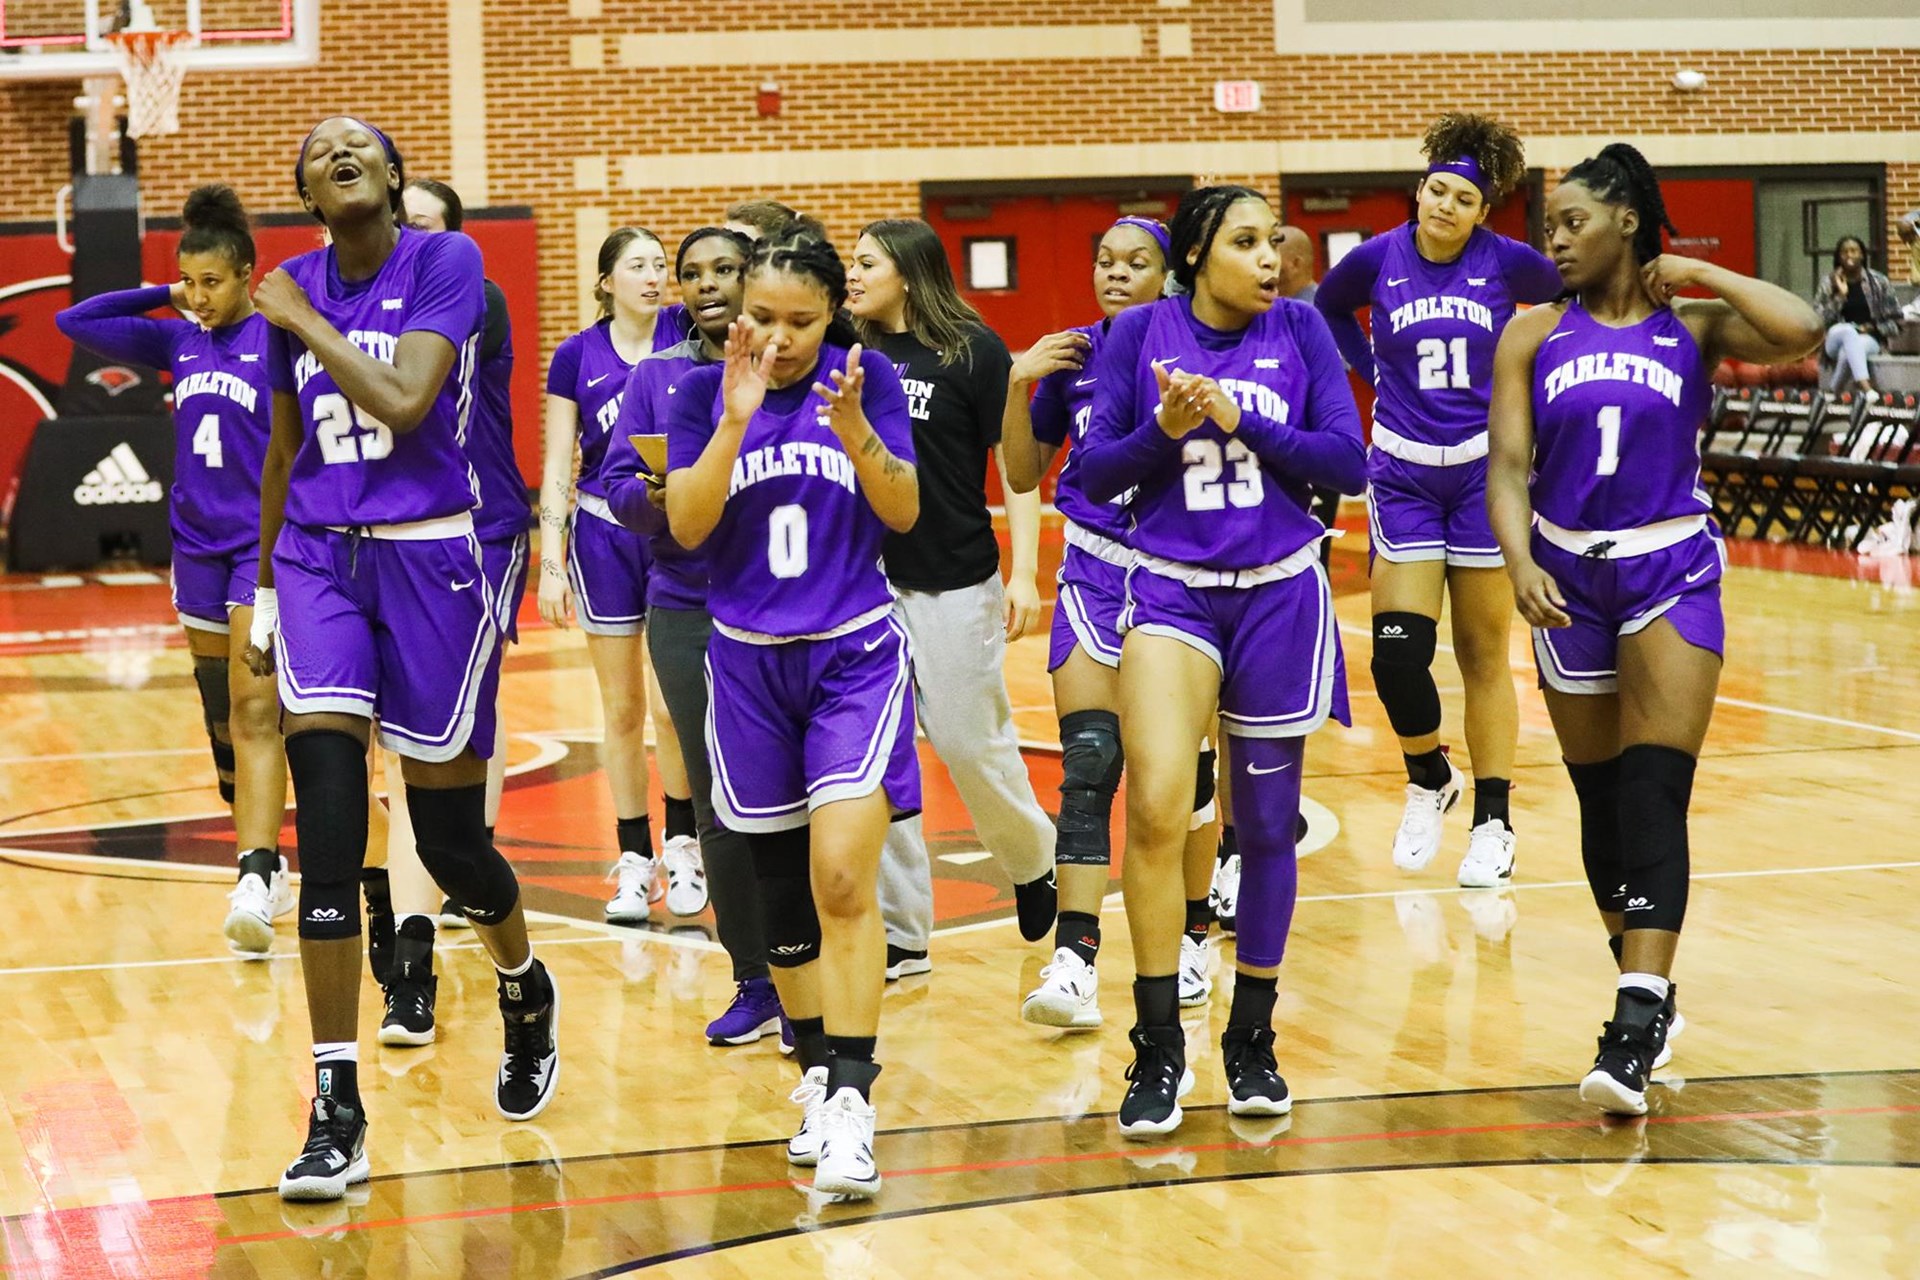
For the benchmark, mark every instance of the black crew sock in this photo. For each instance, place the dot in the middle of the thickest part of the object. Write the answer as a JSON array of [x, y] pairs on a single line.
[[264, 862], [1156, 1001], [1490, 801], [810, 1042], [1229, 842], [850, 1065], [1078, 932], [373, 883], [635, 835], [1617, 944], [680, 818], [1636, 1007], [1252, 1001], [338, 1082], [1428, 770], [417, 928], [1199, 919]]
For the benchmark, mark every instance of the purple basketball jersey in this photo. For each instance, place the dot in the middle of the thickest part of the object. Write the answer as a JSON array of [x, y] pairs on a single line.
[[678, 577], [1224, 501], [1616, 422], [1435, 327], [352, 469], [589, 371], [504, 512], [1062, 410], [222, 409], [797, 550]]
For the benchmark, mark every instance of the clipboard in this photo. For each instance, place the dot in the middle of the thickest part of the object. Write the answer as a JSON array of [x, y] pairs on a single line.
[[653, 452]]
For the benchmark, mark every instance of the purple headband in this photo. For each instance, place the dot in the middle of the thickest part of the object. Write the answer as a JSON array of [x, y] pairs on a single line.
[[1465, 167], [1152, 228], [300, 159]]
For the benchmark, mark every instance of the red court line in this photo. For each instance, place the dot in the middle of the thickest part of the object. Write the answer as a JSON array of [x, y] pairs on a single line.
[[638, 1197]]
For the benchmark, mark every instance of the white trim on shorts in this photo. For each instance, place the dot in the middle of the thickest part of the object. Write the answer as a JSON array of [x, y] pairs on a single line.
[[1395, 445], [1086, 636], [590, 622], [192, 623], [870, 775], [1402, 553], [1300, 724], [516, 564]]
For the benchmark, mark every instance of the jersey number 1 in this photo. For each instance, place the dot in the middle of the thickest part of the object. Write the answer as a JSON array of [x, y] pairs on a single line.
[[1608, 420]]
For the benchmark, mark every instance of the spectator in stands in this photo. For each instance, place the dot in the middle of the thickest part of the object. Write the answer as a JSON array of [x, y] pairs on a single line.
[[1296, 265], [1857, 305]]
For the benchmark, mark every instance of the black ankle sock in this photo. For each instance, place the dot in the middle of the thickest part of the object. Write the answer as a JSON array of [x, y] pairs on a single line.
[[1636, 1007], [1156, 1001], [417, 928], [635, 835], [850, 1065], [1617, 945], [1229, 842], [1428, 770], [1252, 1001], [679, 817], [338, 1082], [810, 1042], [373, 883], [264, 862], [1078, 932], [1199, 919], [1490, 801]]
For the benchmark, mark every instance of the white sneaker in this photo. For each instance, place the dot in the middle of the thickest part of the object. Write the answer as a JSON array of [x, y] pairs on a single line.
[[633, 875], [1068, 995], [1224, 895], [1418, 838], [846, 1165], [803, 1148], [252, 905], [1196, 986], [686, 876], [1489, 860], [1674, 1029]]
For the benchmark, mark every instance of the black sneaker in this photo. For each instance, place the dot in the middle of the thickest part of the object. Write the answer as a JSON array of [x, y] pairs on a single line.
[[530, 1062], [335, 1155], [410, 996], [1037, 902], [380, 937], [1667, 1029], [1254, 1084], [1157, 1080], [902, 963], [452, 917], [1618, 1082]]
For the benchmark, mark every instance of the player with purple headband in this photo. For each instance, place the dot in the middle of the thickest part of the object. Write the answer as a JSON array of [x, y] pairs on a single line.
[[1218, 410], [222, 408], [710, 266], [1129, 269], [788, 464], [1593, 487], [1442, 288], [594, 568], [373, 606]]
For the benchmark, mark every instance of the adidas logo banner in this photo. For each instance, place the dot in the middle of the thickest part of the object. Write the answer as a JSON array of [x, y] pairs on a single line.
[[119, 478]]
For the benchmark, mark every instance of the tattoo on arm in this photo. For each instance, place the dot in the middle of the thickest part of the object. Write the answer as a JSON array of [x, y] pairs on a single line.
[[552, 516], [872, 444], [894, 467]]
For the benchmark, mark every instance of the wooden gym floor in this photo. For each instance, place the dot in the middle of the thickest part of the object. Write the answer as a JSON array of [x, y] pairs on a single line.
[[153, 1085]]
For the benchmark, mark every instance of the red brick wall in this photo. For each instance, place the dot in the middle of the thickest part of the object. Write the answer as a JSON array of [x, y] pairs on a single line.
[[541, 112]]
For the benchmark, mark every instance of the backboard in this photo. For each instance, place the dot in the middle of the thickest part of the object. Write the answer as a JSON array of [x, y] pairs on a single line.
[[64, 39]]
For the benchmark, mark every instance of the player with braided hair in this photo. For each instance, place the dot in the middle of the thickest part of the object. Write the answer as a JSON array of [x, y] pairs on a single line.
[[788, 463], [1441, 288], [1593, 489]]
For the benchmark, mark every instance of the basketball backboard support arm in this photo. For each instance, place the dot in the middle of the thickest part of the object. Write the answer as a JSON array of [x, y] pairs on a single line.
[[292, 40]]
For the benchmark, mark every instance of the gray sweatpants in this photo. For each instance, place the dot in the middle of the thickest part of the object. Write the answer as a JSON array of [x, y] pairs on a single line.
[[678, 641], [960, 688]]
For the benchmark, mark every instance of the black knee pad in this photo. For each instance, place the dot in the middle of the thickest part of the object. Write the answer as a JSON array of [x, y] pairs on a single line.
[[450, 832], [1403, 645], [1204, 781], [1656, 786], [1090, 765], [1597, 786], [216, 709], [787, 911], [329, 771]]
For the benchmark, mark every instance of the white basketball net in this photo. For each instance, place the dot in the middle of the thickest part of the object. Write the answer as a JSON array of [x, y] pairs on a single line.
[[152, 65]]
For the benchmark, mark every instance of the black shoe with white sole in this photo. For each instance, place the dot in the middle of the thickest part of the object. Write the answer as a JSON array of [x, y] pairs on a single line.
[[1156, 1082], [335, 1155], [1618, 1082], [1254, 1083], [902, 963], [530, 1062]]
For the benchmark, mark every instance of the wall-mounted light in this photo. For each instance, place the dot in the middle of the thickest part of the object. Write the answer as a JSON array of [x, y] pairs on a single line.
[[1689, 81], [767, 101]]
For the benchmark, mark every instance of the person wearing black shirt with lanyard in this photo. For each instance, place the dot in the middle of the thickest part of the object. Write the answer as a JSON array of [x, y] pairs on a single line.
[[946, 572]]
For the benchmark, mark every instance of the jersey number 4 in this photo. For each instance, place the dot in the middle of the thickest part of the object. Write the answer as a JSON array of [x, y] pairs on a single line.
[[347, 433], [206, 441], [1435, 355], [1206, 460]]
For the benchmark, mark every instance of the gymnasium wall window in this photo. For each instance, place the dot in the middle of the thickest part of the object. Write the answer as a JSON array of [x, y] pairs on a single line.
[[992, 262]]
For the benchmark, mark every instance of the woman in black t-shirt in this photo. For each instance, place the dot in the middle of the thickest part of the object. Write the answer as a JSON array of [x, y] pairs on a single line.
[[946, 573]]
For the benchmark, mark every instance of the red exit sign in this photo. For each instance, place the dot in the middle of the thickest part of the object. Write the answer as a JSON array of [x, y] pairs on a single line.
[[1236, 95]]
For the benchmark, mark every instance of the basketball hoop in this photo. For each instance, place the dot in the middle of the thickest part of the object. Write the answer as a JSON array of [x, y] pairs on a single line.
[[153, 64]]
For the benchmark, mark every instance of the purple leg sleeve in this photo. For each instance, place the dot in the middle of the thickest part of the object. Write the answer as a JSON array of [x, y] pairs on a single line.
[[1266, 804]]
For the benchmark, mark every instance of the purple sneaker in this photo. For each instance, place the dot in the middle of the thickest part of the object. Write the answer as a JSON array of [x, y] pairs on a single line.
[[754, 1012]]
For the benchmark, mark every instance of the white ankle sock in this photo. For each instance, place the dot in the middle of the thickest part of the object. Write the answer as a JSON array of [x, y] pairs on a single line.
[[1652, 983]]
